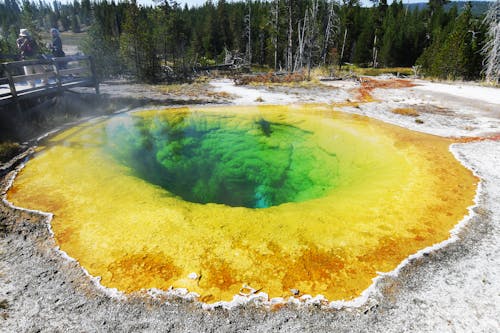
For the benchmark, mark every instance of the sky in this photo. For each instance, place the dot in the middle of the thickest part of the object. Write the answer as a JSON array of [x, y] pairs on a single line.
[[201, 2], [191, 3]]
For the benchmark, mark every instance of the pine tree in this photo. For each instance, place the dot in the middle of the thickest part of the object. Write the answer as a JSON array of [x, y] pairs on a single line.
[[86, 12], [29, 17], [104, 48], [456, 51], [10, 17], [364, 44], [75, 23], [103, 38], [137, 45], [455, 54], [391, 28]]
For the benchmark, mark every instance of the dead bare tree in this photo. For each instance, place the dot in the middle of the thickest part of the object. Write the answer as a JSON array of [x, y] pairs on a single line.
[[307, 34], [228, 57], [275, 10], [416, 70], [343, 47], [248, 32], [289, 48], [491, 50], [332, 27], [299, 54], [374, 52], [312, 35]]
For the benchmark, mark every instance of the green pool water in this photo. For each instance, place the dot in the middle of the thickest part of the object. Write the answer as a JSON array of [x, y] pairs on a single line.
[[205, 158]]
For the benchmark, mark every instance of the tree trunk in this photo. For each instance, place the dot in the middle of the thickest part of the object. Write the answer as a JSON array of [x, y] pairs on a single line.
[[491, 64], [248, 32], [343, 47], [331, 27], [289, 56], [276, 32], [299, 56], [311, 33]]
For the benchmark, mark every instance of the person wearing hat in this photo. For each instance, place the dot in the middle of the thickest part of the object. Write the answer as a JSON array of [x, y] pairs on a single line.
[[29, 50], [26, 45]]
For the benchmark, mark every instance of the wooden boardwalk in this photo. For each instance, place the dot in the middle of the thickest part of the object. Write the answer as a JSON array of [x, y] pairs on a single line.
[[52, 76]]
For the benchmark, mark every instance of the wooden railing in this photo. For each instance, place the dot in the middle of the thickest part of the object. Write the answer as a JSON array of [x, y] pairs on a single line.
[[51, 76]]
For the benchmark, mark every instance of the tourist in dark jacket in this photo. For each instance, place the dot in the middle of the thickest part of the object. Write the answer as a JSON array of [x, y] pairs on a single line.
[[56, 45]]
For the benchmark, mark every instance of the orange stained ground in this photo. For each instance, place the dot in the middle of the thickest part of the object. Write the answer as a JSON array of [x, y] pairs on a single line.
[[401, 191], [369, 84]]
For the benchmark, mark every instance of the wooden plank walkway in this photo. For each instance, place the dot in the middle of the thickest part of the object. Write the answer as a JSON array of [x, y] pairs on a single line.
[[52, 76]]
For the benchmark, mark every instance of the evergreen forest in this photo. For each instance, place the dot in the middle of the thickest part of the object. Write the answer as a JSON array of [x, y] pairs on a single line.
[[126, 38]]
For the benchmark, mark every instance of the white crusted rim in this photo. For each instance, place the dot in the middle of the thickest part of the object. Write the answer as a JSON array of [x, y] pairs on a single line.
[[262, 299]]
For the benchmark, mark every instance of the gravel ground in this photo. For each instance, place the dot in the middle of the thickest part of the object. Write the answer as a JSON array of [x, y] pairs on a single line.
[[451, 288]]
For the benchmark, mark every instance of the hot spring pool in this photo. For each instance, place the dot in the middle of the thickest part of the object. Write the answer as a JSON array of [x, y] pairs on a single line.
[[279, 198]]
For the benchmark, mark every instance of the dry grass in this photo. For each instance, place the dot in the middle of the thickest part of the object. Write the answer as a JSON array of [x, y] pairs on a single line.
[[350, 70], [202, 79], [322, 71], [406, 112], [192, 90], [379, 71], [270, 77], [174, 88], [220, 94]]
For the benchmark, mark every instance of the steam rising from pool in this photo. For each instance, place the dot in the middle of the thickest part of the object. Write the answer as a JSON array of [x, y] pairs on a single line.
[[289, 200]]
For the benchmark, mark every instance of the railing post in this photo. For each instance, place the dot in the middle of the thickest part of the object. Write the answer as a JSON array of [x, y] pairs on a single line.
[[55, 65], [12, 85]]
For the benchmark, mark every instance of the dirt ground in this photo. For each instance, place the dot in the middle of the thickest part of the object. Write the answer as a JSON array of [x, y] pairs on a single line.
[[451, 287]]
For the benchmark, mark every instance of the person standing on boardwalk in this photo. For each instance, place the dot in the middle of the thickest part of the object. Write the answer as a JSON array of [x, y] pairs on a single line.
[[56, 45], [26, 45], [28, 49]]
